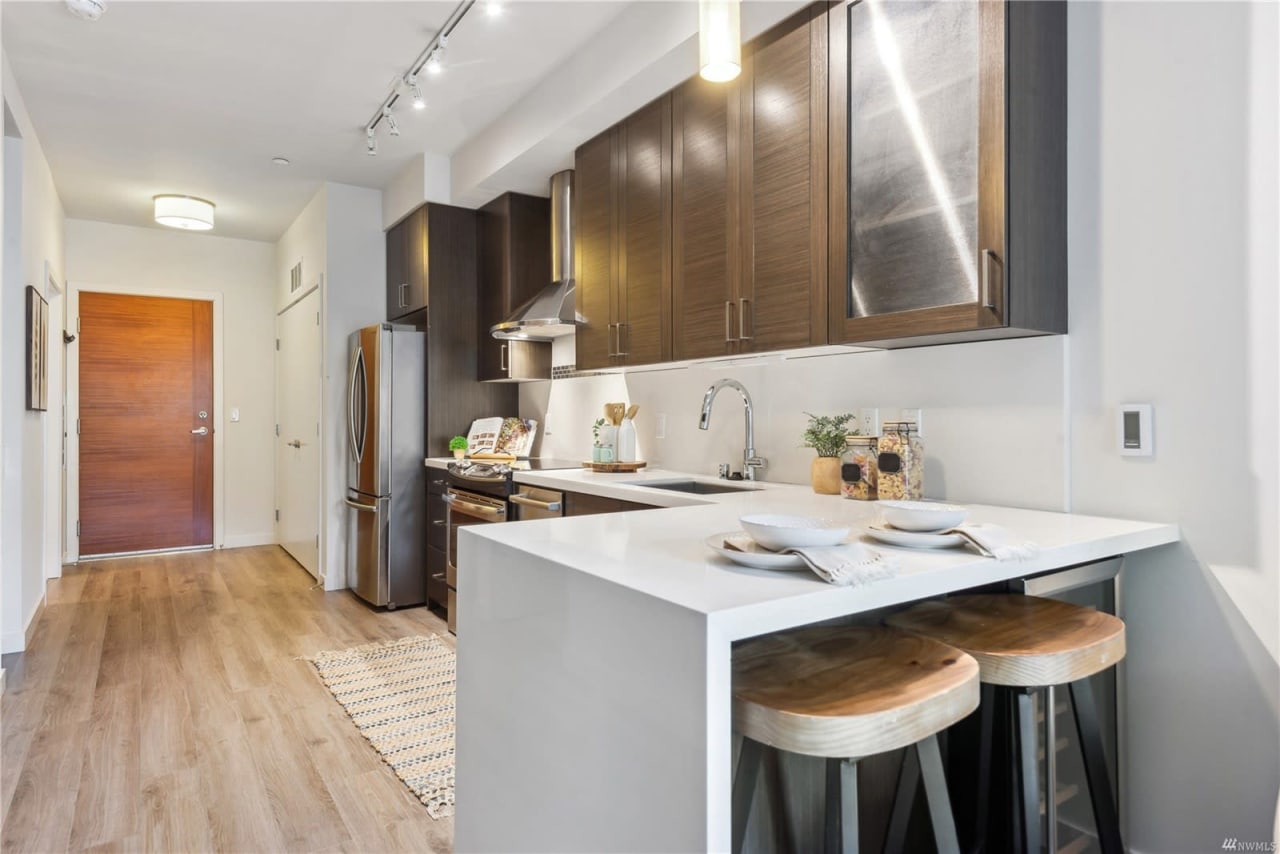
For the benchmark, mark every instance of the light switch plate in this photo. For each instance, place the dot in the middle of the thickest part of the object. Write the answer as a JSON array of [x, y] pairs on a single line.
[[235, 415], [660, 426], [868, 422], [1134, 434]]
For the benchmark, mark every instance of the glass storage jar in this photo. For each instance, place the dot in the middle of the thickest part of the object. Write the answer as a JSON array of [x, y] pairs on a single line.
[[858, 474], [900, 462]]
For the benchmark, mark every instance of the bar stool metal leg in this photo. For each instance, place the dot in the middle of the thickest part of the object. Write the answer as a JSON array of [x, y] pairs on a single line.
[[842, 806], [904, 798], [935, 791], [1050, 771], [986, 722], [1095, 767], [744, 789], [1028, 769]]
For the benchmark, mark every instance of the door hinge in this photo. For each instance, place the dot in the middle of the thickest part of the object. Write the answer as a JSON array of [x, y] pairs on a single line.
[[77, 426], [277, 345], [277, 429], [317, 318], [77, 326], [317, 541], [317, 428], [277, 514], [77, 527]]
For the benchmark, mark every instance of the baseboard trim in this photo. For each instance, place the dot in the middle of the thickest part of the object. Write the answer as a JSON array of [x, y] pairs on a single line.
[[241, 541], [33, 622]]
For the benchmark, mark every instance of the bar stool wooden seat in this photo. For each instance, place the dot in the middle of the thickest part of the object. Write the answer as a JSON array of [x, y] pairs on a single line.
[[845, 692], [1025, 644]]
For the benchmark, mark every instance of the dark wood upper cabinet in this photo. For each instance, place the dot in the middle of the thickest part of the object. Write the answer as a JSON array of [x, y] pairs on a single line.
[[515, 265], [948, 172], [408, 264], [705, 253], [782, 298], [623, 224], [643, 175], [595, 256]]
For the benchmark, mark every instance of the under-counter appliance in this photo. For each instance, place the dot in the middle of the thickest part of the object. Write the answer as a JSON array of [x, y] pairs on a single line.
[[386, 483], [481, 493]]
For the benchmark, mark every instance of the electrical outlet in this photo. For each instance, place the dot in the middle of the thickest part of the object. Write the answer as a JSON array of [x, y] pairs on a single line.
[[868, 423], [916, 417], [660, 426]]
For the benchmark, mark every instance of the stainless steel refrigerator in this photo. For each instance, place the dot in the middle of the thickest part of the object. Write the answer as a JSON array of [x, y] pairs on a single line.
[[386, 476]]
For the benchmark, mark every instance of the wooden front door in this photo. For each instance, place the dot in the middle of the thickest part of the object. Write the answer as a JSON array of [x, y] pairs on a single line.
[[146, 392]]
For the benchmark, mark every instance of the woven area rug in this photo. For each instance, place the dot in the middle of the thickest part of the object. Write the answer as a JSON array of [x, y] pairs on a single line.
[[400, 695]]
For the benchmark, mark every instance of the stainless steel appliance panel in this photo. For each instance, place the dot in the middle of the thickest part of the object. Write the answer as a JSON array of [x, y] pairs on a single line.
[[533, 503], [465, 508], [367, 548], [368, 411]]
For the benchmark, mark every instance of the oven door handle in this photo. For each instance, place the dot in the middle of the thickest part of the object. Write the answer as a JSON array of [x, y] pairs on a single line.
[[480, 511], [551, 506]]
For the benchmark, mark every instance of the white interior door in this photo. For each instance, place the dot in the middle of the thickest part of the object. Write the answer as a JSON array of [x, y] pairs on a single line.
[[298, 380]]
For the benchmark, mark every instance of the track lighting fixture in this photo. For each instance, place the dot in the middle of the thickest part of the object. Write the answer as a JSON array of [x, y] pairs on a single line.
[[419, 102], [392, 125], [372, 142], [493, 9], [435, 64]]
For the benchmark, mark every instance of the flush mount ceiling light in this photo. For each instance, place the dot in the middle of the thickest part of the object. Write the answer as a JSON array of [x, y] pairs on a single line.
[[89, 10], [185, 212], [719, 40]]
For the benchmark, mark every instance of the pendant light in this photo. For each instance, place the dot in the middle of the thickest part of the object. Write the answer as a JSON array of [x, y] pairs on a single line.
[[184, 212], [719, 40]]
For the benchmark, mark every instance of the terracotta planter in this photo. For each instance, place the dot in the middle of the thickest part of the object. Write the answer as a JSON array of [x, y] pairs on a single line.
[[824, 474]]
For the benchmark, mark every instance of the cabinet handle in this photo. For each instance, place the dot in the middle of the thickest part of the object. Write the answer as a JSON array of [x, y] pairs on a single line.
[[613, 350], [984, 298], [622, 352], [728, 322], [402, 288], [503, 365], [742, 320]]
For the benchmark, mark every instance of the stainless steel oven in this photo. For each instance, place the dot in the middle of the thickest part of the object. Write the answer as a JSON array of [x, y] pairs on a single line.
[[464, 507], [533, 503]]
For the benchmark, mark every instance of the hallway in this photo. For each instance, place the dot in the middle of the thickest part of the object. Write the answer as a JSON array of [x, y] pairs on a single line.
[[162, 706]]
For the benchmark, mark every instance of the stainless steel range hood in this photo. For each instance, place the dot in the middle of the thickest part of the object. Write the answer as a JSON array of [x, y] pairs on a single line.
[[553, 312]]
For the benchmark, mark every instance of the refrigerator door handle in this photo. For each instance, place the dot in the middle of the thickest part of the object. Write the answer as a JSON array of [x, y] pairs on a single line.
[[367, 508], [357, 440]]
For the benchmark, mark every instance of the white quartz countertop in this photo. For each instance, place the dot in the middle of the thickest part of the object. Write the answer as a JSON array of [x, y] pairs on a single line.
[[662, 552]]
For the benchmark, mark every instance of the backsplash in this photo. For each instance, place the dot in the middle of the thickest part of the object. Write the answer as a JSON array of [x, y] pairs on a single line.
[[993, 413]]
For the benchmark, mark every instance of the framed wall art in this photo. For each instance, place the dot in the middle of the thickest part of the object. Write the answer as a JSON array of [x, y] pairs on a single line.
[[37, 352]]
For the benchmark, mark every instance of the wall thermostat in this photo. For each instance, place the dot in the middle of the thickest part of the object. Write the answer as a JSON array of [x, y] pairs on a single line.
[[1134, 430]]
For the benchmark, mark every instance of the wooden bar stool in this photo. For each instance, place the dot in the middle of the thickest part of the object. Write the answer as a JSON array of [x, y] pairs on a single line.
[[845, 692], [1024, 644]]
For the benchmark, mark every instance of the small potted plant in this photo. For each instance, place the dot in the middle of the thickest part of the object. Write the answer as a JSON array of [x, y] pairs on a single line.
[[826, 434], [458, 444], [598, 454]]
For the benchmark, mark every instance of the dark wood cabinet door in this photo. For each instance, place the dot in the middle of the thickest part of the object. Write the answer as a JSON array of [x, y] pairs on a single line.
[[493, 299], [704, 222], [782, 299], [417, 259], [397, 281], [644, 267], [595, 218], [515, 265]]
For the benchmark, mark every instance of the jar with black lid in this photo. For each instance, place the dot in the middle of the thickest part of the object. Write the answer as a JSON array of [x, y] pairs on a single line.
[[900, 462], [858, 474]]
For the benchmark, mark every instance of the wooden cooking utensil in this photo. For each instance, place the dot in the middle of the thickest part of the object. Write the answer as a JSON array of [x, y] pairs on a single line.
[[631, 412]]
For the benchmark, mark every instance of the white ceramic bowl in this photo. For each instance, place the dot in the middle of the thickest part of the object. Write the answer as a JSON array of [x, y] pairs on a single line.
[[922, 515], [775, 531]]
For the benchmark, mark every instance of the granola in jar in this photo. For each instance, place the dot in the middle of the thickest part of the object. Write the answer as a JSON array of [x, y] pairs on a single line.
[[858, 474], [900, 462]]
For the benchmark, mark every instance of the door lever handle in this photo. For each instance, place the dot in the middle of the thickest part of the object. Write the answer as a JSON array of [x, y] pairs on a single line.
[[200, 431], [296, 443]]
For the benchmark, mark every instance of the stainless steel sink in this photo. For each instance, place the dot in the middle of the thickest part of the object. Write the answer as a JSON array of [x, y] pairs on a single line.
[[694, 487]]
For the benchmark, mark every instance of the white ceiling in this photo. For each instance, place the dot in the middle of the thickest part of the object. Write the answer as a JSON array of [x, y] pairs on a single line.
[[197, 97]]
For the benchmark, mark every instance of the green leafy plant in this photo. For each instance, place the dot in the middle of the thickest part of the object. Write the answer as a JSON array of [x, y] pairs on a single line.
[[595, 430], [827, 434], [458, 443]]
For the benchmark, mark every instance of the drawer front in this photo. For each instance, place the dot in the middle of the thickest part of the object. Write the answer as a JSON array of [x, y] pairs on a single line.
[[453, 611]]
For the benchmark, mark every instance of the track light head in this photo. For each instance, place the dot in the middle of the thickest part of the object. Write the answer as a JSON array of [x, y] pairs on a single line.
[[392, 125], [493, 9], [435, 64], [419, 102], [371, 142]]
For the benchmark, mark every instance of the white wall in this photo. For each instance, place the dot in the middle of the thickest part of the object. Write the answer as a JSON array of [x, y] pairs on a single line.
[[425, 178], [35, 239], [341, 229], [133, 259], [1173, 268]]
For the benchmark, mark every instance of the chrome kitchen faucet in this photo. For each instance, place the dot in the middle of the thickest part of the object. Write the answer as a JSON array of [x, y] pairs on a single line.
[[750, 462]]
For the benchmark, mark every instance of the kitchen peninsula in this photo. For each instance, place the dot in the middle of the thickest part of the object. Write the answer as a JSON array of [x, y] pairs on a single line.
[[594, 652]]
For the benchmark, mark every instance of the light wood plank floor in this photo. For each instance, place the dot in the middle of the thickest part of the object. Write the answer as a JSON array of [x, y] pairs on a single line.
[[161, 706]]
